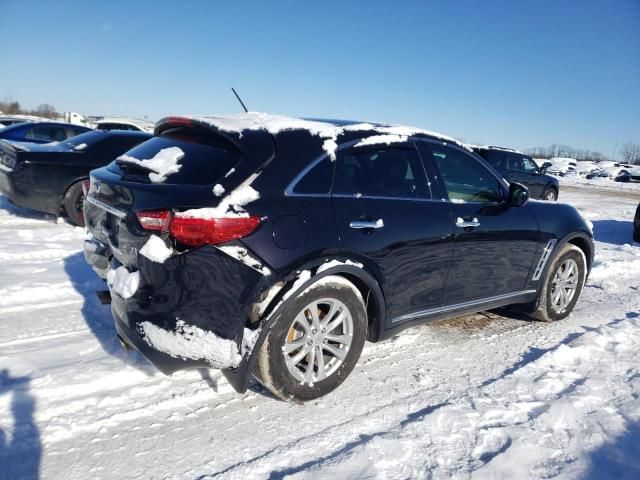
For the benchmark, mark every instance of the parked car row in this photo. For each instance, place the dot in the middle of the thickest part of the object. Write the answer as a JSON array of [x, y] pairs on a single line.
[[48, 177], [616, 171]]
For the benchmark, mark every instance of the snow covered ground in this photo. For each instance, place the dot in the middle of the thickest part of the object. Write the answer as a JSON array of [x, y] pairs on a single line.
[[601, 183], [492, 395]]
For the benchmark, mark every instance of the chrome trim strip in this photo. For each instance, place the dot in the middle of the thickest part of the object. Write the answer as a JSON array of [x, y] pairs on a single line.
[[546, 253], [381, 197], [104, 206], [459, 306]]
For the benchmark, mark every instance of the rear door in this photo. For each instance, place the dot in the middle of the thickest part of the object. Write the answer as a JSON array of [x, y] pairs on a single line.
[[494, 244], [385, 214]]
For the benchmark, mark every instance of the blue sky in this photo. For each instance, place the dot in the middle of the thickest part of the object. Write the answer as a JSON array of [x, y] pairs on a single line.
[[520, 74]]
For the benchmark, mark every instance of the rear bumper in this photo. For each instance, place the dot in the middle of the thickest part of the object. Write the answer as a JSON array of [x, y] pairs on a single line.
[[19, 188], [203, 288]]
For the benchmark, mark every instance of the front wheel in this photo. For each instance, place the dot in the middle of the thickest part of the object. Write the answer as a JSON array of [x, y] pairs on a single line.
[[550, 195], [315, 342], [562, 285]]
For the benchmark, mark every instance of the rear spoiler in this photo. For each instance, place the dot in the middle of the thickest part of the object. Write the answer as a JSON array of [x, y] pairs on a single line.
[[257, 146]]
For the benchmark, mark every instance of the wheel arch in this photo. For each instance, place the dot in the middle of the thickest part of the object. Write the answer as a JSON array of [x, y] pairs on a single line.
[[298, 281], [70, 184]]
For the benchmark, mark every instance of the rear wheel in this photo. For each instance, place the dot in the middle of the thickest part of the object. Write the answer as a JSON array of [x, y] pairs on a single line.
[[73, 204], [550, 195], [562, 285], [315, 343]]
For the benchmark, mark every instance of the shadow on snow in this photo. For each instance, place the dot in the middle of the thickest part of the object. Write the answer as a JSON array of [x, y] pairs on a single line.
[[616, 232], [19, 452], [97, 316]]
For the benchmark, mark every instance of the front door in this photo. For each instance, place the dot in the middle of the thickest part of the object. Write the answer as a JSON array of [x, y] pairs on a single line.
[[494, 244], [524, 170], [385, 214]]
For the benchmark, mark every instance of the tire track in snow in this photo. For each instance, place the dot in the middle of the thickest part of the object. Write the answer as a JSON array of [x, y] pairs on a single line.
[[525, 413]]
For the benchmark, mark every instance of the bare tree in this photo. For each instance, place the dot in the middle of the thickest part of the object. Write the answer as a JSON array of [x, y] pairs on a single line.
[[46, 110], [630, 153]]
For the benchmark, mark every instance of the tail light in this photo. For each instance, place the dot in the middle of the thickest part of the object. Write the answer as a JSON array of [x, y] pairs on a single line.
[[86, 184], [157, 220], [195, 232]]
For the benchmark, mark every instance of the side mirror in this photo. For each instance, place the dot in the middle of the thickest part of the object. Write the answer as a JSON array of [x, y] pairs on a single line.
[[542, 170], [518, 195]]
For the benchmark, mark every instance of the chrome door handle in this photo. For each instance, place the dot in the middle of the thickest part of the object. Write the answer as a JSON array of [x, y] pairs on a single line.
[[359, 224], [462, 223]]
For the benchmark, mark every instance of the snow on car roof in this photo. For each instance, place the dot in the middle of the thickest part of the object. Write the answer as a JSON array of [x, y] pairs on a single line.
[[127, 121], [494, 147], [329, 130]]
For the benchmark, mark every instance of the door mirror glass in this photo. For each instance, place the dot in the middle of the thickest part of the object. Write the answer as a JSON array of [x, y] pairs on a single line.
[[518, 195]]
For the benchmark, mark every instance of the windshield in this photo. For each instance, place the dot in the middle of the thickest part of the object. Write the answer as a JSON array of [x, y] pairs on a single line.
[[87, 139]]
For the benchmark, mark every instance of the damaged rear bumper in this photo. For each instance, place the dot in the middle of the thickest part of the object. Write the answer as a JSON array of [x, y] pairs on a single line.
[[184, 308]]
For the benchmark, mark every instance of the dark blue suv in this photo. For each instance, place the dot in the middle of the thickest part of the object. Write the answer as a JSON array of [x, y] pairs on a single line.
[[515, 166], [273, 246]]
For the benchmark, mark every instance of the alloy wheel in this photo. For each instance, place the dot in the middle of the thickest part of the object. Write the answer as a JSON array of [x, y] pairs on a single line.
[[564, 285], [318, 340]]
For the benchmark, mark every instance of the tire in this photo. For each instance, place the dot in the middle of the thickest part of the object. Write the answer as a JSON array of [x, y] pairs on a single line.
[[293, 381], [550, 195], [72, 203], [549, 306]]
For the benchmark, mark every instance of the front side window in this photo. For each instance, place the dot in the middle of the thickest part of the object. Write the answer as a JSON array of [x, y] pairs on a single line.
[[381, 172], [465, 179], [529, 165], [317, 180]]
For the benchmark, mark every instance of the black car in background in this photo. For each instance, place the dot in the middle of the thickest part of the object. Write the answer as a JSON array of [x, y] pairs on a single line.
[[41, 132], [48, 178], [276, 246], [518, 167]]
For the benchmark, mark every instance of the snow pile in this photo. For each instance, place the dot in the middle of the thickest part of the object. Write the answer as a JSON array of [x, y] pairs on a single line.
[[123, 282], [191, 342], [163, 163], [241, 253], [229, 206], [156, 249], [218, 190], [381, 140], [336, 263]]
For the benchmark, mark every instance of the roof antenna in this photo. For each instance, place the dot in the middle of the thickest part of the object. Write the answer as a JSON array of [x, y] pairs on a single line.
[[239, 99]]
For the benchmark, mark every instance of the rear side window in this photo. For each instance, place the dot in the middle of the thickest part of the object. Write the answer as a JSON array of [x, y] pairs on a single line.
[[206, 159], [381, 172], [496, 158], [317, 180], [46, 133]]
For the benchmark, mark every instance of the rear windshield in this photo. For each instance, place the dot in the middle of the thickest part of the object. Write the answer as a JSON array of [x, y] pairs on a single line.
[[206, 159], [88, 138]]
